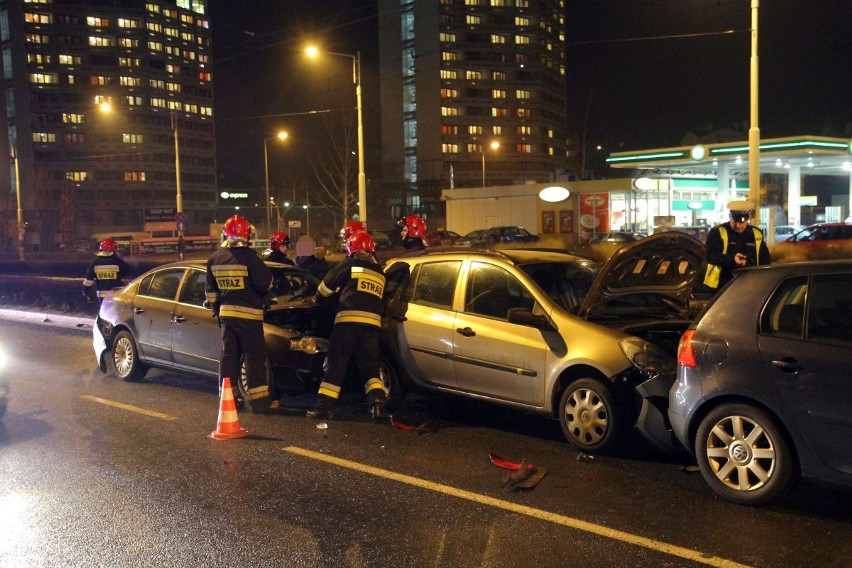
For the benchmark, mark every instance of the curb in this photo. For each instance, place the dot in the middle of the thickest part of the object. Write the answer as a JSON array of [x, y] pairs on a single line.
[[42, 318]]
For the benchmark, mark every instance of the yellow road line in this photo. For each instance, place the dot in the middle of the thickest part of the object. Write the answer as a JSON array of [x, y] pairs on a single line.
[[600, 530], [123, 406]]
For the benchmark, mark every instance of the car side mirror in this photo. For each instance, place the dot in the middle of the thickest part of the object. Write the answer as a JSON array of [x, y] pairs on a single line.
[[525, 316]]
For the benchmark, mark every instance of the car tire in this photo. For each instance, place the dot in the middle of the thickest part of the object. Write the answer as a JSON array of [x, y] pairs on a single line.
[[125, 358], [243, 384], [390, 378], [589, 416], [743, 454]]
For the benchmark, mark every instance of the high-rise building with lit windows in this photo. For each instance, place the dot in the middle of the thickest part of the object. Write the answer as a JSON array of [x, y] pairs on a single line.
[[458, 75], [81, 169]]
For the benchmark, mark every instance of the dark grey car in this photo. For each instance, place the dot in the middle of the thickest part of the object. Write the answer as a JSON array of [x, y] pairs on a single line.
[[158, 320], [764, 383]]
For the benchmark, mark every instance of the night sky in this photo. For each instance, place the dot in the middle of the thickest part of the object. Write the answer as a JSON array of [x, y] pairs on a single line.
[[631, 85]]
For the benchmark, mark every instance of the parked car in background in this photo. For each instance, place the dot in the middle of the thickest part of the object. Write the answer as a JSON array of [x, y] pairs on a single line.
[[382, 240], [784, 232], [821, 236], [763, 381], [4, 383], [500, 236], [547, 332], [468, 239], [158, 320], [442, 238]]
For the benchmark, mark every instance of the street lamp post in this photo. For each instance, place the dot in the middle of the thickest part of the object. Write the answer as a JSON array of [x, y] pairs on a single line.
[[494, 145], [356, 80], [22, 228], [754, 129], [282, 135]]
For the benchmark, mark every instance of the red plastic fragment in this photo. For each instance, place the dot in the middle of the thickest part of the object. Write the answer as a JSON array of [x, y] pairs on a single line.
[[506, 464]]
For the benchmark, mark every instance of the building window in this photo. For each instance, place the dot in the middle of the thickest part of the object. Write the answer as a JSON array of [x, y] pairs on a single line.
[[158, 102], [499, 111], [204, 76], [550, 133], [128, 42], [44, 137], [525, 130], [449, 130], [44, 78], [522, 21], [129, 61], [130, 81], [32, 18], [474, 148], [134, 176], [449, 74], [498, 75], [97, 22], [39, 58], [497, 130], [473, 75], [132, 138], [173, 87], [449, 111], [522, 94], [77, 176], [38, 38], [205, 111], [73, 118], [101, 41], [523, 113], [498, 39], [475, 130], [133, 100], [522, 40], [74, 137], [449, 56], [449, 93], [447, 37], [70, 59], [450, 148], [472, 20], [524, 148], [498, 94], [128, 23], [155, 45]]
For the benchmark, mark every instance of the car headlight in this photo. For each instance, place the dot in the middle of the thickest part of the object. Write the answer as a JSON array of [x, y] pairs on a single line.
[[647, 357], [310, 345]]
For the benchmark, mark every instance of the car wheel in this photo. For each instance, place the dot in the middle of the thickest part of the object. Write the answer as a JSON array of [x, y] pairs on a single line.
[[388, 375], [588, 415], [125, 358], [743, 454], [241, 398]]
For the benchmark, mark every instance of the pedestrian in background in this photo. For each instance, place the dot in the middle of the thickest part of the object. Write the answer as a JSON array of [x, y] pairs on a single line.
[[311, 257], [106, 272], [733, 245], [279, 244], [360, 281], [238, 282]]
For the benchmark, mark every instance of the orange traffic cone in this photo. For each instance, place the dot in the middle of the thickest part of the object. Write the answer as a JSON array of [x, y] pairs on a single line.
[[228, 426]]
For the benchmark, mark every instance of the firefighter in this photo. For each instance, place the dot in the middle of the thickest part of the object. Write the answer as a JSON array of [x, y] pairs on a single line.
[[349, 229], [237, 283], [413, 232], [279, 244], [355, 336], [107, 271]]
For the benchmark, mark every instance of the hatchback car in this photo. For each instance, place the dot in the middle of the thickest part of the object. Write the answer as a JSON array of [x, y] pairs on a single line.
[[546, 332], [784, 232], [442, 238], [501, 236], [821, 236], [763, 381], [158, 320]]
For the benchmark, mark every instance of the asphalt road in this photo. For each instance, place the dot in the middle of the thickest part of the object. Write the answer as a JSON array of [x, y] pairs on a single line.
[[100, 472]]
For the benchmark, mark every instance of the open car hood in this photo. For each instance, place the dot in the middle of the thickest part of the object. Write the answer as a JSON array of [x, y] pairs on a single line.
[[668, 265]]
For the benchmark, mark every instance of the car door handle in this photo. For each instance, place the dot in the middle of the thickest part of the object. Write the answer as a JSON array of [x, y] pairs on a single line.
[[466, 331], [787, 365], [138, 310], [177, 318]]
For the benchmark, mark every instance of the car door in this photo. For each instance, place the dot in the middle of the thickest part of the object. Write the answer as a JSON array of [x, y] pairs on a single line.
[[153, 308], [806, 348], [420, 320], [196, 336], [494, 357]]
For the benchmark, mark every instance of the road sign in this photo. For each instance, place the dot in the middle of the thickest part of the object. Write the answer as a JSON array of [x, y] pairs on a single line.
[[294, 224]]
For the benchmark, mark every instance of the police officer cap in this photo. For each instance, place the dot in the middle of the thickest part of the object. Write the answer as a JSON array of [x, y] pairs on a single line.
[[741, 207]]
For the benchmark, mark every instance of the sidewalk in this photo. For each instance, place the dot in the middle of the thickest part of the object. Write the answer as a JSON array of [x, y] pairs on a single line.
[[79, 321]]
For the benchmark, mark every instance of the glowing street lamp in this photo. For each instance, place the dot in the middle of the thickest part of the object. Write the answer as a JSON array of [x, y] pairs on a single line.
[[356, 80], [282, 135], [494, 146]]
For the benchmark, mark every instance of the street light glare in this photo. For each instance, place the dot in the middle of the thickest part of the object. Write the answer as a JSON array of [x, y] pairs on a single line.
[[283, 135], [311, 51], [495, 145], [105, 107]]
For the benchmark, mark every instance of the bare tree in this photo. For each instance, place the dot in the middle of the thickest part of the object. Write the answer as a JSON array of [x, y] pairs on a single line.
[[335, 165]]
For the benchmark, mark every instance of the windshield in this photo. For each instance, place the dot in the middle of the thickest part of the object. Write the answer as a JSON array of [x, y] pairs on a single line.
[[567, 283]]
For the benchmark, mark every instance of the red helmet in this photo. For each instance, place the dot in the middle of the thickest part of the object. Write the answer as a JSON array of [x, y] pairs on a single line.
[[350, 228], [108, 245], [415, 224], [360, 241], [237, 227], [278, 238]]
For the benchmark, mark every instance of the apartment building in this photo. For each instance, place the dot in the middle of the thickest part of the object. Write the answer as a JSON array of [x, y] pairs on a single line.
[[109, 116], [473, 93]]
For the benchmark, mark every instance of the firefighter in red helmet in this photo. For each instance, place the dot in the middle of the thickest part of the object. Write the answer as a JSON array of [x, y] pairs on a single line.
[[413, 232], [106, 272], [237, 284], [360, 281], [279, 244]]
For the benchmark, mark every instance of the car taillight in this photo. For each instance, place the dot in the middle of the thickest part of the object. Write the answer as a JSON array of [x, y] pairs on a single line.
[[685, 353]]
